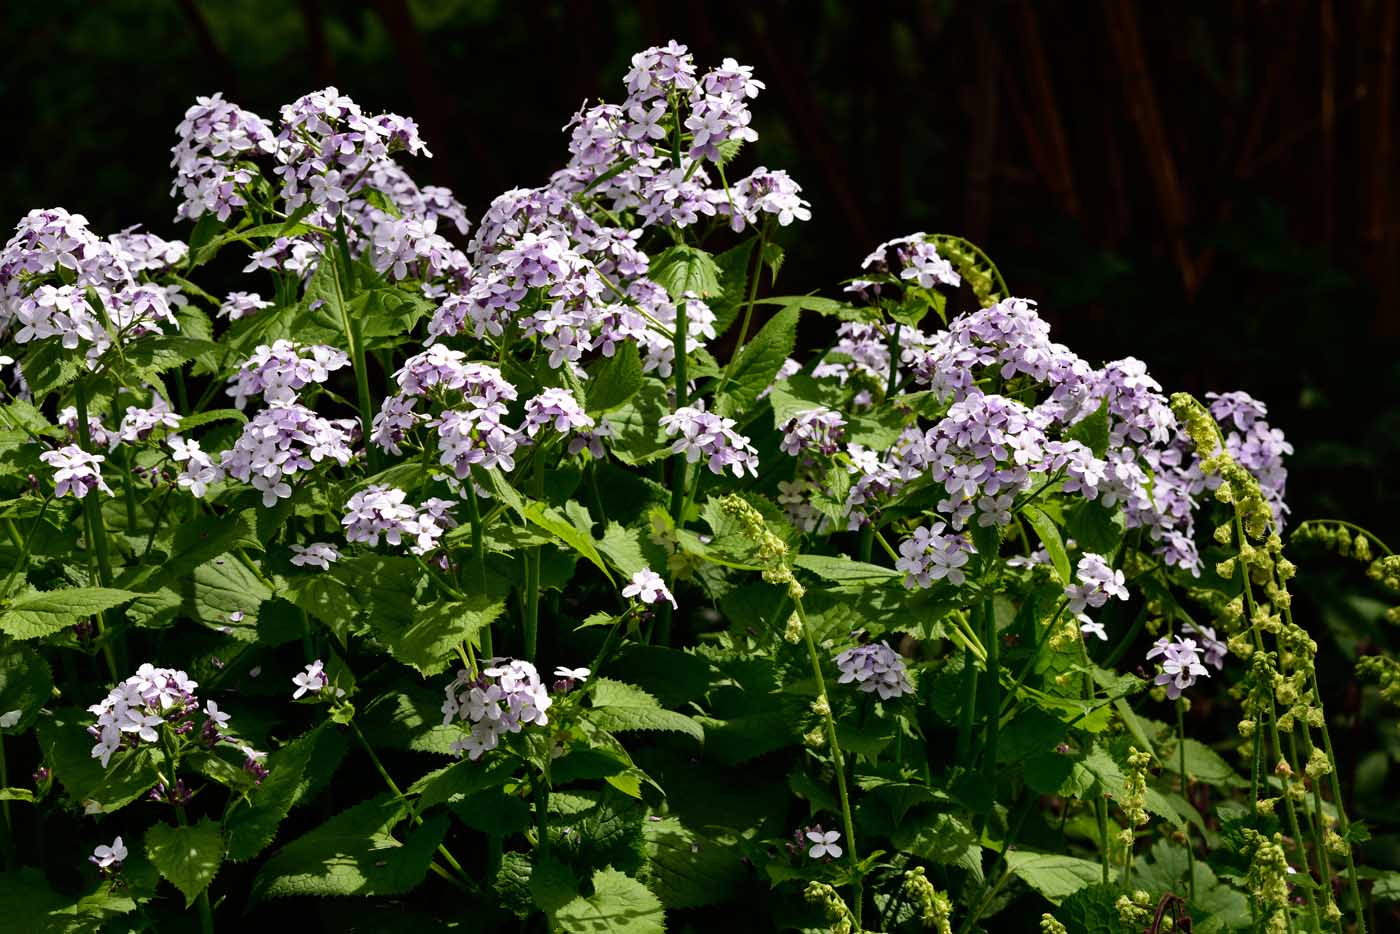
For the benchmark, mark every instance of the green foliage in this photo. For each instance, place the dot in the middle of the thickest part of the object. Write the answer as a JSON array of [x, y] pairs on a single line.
[[187, 857]]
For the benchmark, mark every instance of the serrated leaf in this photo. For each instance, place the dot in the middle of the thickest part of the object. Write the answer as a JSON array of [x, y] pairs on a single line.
[[1095, 527], [759, 362], [451, 784], [613, 380], [686, 869], [200, 419], [1053, 875], [67, 749], [680, 269], [1049, 536], [733, 280], [551, 885], [353, 853], [34, 615], [25, 686], [187, 857], [252, 826], [619, 905], [620, 708], [557, 523], [843, 570]]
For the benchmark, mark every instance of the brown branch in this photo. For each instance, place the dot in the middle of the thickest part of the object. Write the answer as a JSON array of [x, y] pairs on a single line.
[[1126, 41], [1042, 90], [223, 67]]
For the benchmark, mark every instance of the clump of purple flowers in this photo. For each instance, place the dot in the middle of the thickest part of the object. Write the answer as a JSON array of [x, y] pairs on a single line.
[[76, 472], [280, 442], [506, 696], [1180, 664], [278, 372], [875, 669], [381, 510], [816, 430], [704, 434], [1096, 582], [931, 554]]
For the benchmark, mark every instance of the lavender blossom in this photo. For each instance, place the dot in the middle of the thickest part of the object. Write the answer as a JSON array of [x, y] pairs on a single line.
[[702, 434], [1181, 664], [507, 696], [316, 554], [77, 472], [875, 668], [649, 587], [931, 555]]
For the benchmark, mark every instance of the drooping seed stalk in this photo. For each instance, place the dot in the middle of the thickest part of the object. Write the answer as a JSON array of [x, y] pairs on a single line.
[[837, 760]]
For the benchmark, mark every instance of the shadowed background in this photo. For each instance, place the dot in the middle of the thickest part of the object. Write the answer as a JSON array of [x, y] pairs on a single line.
[[1208, 186]]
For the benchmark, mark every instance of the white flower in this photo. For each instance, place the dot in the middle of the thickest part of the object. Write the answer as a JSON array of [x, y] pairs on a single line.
[[312, 679], [824, 844], [10, 718], [648, 587], [217, 716], [572, 674], [105, 856]]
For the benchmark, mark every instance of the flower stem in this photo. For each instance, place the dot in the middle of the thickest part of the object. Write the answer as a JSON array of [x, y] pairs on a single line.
[[748, 306], [532, 574], [96, 530], [356, 342], [837, 761], [479, 559]]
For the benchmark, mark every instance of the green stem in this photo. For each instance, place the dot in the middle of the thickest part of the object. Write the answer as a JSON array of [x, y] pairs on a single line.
[[11, 861], [408, 805], [541, 795], [1357, 904], [356, 342], [96, 529], [748, 307], [532, 576], [479, 558], [837, 761], [968, 707], [1186, 794], [991, 702]]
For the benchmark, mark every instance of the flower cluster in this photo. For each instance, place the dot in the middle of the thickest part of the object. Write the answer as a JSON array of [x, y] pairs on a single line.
[[1180, 664], [135, 712], [648, 587], [76, 472], [310, 681], [316, 554], [915, 259], [875, 669], [931, 554], [280, 442], [381, 510], [210, 158], [1096, 582], [278, 372], [703, 434], [506, 696], [816, 430]]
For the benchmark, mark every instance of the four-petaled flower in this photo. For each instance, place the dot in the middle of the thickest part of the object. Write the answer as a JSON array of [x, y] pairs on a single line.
[[824, 844], [106, 857], [312, 680], [649, 587]]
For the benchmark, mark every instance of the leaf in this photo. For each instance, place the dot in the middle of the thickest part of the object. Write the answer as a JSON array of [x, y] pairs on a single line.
[[619, 905], [200, 419], [1097, 528], [1092, 431], [1053, 875], [1092, 910], [427, 641], [49, 366], [67, 749], [936, 837], [188, 857], [38, 614], [25, 686], [688, 869], [620, 708], [734, 281], [557, 523], [759, 362], [1049, 536], [801, 393], [623, 547], [353, 853], [843, 570], [613, 380], [680, 269], [252, 826], [551, 884], [452, 784]]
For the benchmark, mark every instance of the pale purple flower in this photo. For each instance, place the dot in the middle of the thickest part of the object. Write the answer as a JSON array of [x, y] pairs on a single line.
[[278, 372], [280, 442], [380, 510], [817, 430], [133, 711], [507, 696], [702, 434], [649, 587], [558, 408], [109, 857], [1096, 583], [316, 554], [875, 669], [824, 844], [1181, 664], [312, 680], [572, 674], [931, 555], [238, 305], [1214, 649], [77, 473]]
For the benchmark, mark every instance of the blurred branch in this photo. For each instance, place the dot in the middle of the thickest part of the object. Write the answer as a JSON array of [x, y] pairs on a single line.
[[1059, 176], [223, 68], [1126, 42]]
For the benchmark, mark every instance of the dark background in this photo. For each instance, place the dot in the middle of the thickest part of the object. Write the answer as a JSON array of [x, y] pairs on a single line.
[[1208, 186]]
